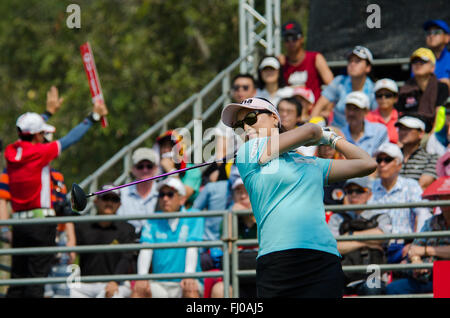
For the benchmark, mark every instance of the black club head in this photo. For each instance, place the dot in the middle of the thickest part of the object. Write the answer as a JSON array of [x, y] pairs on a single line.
[[78, 198]]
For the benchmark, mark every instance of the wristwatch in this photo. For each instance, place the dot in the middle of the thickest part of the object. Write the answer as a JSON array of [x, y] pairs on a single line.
[[95, 117]]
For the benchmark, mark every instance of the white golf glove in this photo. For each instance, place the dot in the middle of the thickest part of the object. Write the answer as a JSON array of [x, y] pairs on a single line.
[[329, 137]]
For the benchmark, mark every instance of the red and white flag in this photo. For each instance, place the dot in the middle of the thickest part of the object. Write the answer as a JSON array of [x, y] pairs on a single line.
[[92, 75]]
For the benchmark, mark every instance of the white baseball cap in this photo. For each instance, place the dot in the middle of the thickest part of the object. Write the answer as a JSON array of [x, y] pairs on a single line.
[[270, 62], [258, 103], [173, 183], [386, 83], [237, 183], [392, 150], [362, 52], [33, 123], [411, 122], [359, 99], [109, 193], [363, 182], [145, 154]]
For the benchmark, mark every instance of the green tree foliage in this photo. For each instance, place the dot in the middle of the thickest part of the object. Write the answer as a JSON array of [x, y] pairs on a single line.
[[151, 55]]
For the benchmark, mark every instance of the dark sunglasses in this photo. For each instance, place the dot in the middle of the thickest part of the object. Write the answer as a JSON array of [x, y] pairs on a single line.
[[435, 32], [291, 38], [250, 119], [149, 166], [418, 61], [238, 87], [385, 95], [385, 159], [169, 194], [446, 162], [356, 190], [110, 198]]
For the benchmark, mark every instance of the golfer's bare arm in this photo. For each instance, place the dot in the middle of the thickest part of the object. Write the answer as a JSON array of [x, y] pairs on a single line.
[[307, 134], [358, 163]]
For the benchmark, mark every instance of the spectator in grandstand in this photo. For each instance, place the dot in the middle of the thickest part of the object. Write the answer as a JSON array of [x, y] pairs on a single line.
[[294, 112], [363, 133], [65, 233], [215, 196], [390, 187], [247, 229], [172, 196], [172, 152], [270, 79], [426, 250], [331, 104], [297, 254], [105, 263], [28, 169], [417, 163], [422, 93], [243, 86], [300, 67], [386, 94], [439, 140], [443, 165], [361, 222], [141, 198], [438, 36]]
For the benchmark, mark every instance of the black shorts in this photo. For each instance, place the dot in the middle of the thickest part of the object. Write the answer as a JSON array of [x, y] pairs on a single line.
[[299, 273]]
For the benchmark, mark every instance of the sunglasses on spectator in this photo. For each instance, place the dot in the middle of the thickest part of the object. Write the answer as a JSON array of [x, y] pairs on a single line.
[[446, 162], [238, 87], [435, 32], [418, 61], [110, 198], [385, 95], [250, 119], [385, 159], [169, 194], [141, 166], [355, 190], [291, 38]]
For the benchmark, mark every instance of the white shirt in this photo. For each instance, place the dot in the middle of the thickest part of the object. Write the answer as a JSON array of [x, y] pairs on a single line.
[[134, 204]]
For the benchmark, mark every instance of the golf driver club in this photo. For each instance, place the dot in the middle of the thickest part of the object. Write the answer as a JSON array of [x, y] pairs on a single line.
[[79, 197]]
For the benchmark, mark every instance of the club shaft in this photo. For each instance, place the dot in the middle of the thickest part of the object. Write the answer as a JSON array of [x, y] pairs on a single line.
[[155, 177]]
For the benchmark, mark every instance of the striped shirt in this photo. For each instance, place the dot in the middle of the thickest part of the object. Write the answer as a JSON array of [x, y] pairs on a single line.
[[405, 190], [419, 163]]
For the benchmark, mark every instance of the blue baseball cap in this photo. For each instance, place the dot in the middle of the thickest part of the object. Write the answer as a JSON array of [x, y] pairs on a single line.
[[439, 23]]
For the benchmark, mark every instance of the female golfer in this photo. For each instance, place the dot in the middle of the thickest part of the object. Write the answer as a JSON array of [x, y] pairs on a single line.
[[298, 255]]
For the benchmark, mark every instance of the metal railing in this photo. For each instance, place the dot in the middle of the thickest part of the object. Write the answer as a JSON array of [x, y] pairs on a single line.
[[229, 238], [225, 273]]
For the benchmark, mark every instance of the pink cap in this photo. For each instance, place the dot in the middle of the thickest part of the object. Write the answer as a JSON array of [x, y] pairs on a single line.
[[230, 111]]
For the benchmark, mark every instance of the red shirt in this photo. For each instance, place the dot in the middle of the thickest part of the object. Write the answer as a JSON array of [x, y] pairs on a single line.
[[29, 174], [375, 117], [305, 70]]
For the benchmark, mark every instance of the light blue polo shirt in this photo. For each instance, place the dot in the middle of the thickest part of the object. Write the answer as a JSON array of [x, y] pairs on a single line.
[[442, 69], [287, 199], [172, 260], [375, 134]]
